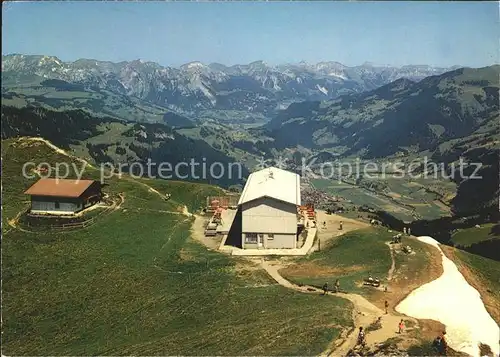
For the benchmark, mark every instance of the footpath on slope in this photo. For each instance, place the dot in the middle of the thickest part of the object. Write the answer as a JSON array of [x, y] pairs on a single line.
[[184, 211], [364, 314], [59, 150], [13, 222]]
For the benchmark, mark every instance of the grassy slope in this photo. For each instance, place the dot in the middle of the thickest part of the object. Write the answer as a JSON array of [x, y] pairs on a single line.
[[469, 236], [355, 255], [350, 258], [407, 197], [29, 90], [135, 283]]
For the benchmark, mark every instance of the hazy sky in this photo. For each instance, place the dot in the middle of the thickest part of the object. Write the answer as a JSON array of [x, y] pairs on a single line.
[[173, 33]]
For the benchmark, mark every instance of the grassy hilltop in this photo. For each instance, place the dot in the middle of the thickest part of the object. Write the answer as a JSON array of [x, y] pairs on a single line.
[[136, 283]]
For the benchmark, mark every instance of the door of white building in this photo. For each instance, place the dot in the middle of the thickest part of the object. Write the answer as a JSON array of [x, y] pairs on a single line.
[[260, 242]]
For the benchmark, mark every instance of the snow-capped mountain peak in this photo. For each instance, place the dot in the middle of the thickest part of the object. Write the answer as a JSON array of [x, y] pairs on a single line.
[[195, 86]]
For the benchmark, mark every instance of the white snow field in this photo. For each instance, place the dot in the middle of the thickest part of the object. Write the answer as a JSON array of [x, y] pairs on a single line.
[[452, 301]]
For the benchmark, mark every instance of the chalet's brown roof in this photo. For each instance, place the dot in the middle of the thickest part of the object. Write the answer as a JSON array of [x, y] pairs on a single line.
[[59, 187]]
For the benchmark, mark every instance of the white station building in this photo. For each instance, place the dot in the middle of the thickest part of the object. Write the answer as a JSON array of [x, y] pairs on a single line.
[[268, 207]]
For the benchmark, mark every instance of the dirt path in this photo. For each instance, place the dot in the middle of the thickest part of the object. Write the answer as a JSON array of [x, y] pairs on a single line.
[[59, 150], [364, 314], [184, 211], [13, 222], [198, 234]]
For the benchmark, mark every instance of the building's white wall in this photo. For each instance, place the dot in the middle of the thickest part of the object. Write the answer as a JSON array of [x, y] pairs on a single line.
[[269, 216], [50, 207], [281, 241]]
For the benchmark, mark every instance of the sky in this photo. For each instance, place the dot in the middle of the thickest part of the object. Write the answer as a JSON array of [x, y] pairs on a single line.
[[174, 33]]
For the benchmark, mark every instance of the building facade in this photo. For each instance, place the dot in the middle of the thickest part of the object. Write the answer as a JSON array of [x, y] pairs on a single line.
[[62, 196], [268, 207]]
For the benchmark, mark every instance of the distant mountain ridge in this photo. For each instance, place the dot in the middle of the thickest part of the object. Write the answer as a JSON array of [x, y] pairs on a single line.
[[255, 87], [396, 117]]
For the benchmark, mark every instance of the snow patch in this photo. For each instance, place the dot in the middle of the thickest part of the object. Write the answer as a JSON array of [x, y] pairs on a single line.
[[207, 93], [164, 136], [338, 75], [452, 301], [322, 89], [195, 65]]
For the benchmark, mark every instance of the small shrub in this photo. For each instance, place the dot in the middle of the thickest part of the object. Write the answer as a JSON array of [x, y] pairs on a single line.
[[422, 349], [377, 325]]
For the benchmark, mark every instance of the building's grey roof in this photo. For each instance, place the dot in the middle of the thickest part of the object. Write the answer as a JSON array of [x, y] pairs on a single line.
[[274, 183]]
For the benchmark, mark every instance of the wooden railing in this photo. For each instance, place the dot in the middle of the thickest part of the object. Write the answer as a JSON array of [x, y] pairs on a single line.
[[48, 225], [61, 226]]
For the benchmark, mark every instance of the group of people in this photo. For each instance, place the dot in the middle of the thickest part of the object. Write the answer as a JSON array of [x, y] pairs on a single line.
[[439, 343], [362, 336], [337, 287], [397, 238], [341, 225]]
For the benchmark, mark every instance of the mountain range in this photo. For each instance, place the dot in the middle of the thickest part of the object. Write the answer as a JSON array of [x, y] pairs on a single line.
[[399, 117], [255, 88], [131, 111]]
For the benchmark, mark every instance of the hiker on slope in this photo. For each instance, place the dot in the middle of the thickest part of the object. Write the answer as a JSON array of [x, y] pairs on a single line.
[[436, 344], [361, 337], [444, 345], [401, 326], [325, 288]]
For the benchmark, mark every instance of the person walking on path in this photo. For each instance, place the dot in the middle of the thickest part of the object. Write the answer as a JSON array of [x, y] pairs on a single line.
[[386, 306], [325, 288], [444, 345], [437, 345], [401, 326], [361, 337], [337, 286]]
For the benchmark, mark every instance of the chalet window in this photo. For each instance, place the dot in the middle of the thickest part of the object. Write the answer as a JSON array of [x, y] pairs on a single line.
[[56, 204], [250, 237], [270, 236]]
